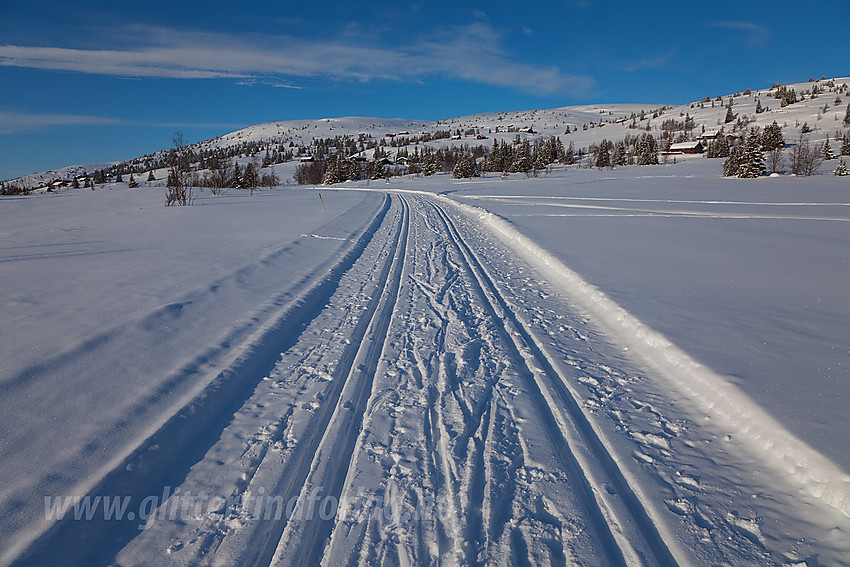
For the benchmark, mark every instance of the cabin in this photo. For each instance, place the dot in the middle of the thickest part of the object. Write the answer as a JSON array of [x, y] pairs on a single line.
[[687, 148], [305, 159]]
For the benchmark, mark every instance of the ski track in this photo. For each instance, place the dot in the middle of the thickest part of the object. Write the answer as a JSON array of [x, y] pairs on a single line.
[[455, 409]]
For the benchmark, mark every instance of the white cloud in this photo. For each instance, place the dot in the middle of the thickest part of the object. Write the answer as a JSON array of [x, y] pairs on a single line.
[[18, 121], [472, 53], [756, 35]]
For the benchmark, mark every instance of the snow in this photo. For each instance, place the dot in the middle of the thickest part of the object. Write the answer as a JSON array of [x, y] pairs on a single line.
[[640, 365]]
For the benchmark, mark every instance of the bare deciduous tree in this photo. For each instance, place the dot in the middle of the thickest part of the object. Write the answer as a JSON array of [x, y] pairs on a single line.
[[805, 160], [178, 186], [775, 159]]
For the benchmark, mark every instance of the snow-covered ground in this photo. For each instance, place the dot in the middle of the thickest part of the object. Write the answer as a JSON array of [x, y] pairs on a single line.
[[644, 365]]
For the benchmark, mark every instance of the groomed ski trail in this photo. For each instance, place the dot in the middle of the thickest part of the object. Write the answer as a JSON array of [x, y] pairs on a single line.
[[434, 401]]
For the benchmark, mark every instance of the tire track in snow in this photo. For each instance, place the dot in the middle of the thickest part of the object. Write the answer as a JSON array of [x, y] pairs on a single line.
[[620, 521], [323, 458]]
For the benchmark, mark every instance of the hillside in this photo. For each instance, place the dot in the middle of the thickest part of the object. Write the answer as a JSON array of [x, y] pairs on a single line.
[[821, 107]]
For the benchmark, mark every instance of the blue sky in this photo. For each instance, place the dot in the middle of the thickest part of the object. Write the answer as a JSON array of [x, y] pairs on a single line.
[[94, 81]]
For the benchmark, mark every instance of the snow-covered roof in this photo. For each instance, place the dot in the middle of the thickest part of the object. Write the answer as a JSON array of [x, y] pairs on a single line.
[[684, 145]]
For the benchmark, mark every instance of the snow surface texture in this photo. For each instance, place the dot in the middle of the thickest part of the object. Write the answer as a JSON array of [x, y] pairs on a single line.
[[638, 366]]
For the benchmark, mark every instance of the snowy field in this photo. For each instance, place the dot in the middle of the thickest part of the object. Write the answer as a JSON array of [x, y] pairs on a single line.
[[636, 366], [628, 366]]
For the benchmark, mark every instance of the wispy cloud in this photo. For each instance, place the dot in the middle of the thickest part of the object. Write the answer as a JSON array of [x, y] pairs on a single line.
[[650, 63], [11, 122], [756, 35], [473, 53]]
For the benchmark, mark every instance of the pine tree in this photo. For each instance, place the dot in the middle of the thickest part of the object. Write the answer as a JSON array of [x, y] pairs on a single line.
[[569, 155], [646, 150], [151, 176], [463, 168], [333, 173], [522, 162], [132, 183], [845, 145], [752, 159], [732, 164], [772, 137], [841, 170], [619, 153], [826, 152], [250, 179], [759, 109], [729, 116], [236, 176], [847, 117], [603, 157]]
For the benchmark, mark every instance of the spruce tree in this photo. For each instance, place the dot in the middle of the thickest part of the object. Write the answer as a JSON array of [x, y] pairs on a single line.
[[845, 145], [772, 137], [847, 117], [522, 162], [729, 116], [826, 152], [619, 153], [841, 170], [463, 168], [132, 183], [603, 157], [151, 176], [646, 150], [752, 160], [333, 173], [732, 164], [569, 155]]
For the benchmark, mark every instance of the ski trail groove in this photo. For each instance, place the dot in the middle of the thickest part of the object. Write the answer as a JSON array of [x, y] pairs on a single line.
[[321, 459], [165, 457], [618, 539]]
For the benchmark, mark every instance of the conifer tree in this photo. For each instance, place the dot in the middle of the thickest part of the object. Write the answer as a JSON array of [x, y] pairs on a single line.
[[132, 183], [603, 158], [236, 176], [522, 162], [333, 173], [646, 150], [619, 153], [826, 152], [841, 170], [752, 160], [729, 116], [732, 164], [845, 145], [464, 168], [772, 138], [151, 176], [847, 117], [569, 155]]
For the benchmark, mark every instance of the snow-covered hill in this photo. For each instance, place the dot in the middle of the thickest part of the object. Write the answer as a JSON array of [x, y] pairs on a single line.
[[822, 113]]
